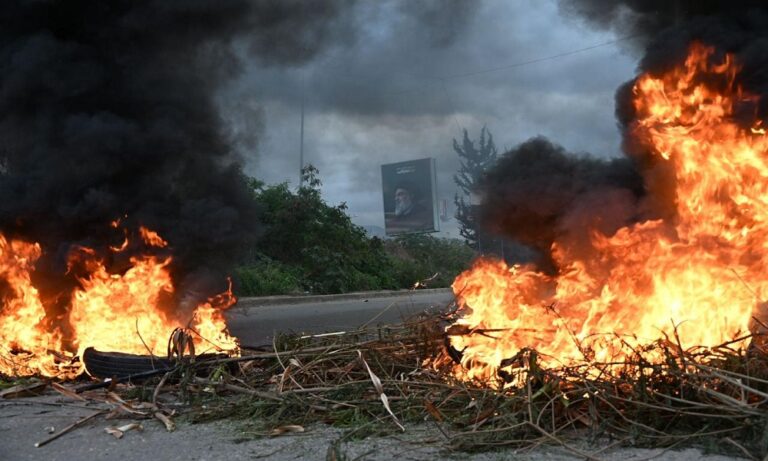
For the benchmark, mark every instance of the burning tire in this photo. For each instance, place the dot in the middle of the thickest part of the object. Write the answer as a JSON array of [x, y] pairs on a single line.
[[119, 365]]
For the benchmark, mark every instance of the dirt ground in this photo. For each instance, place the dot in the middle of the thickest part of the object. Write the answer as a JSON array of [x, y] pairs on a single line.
[[25, 421]]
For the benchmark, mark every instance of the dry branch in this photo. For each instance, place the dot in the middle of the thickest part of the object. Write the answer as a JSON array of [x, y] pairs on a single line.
[[688, 396], [69, 428]]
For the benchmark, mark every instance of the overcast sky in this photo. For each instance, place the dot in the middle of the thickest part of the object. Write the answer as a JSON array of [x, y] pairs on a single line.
[[399, 91]]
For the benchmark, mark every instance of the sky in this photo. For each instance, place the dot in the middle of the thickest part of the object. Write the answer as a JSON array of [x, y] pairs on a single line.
[[399, 89]]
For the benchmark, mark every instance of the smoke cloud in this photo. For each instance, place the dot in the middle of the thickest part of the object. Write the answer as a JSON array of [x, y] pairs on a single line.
[[664, 31], [644, 19], [112, 110], [107, 111], [538, 194]]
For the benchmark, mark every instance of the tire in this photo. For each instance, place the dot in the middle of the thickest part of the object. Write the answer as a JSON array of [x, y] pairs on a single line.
[[119, 365]]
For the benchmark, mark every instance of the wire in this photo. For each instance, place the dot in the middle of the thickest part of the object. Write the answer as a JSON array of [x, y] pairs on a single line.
[[450, 104], [441, 79], [512, 66], [534, 61], [520, 64]]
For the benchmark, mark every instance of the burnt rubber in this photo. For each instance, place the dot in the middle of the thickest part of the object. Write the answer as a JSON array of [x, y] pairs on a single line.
[[120, 365]]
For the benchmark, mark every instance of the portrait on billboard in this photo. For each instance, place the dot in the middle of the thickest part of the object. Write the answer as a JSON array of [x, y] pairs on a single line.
[[409, 197]]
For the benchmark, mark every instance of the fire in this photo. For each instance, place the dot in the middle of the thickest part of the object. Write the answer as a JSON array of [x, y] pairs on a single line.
[[695, 278], [210, 324], [23, 323], [152, 238], [129, 312]]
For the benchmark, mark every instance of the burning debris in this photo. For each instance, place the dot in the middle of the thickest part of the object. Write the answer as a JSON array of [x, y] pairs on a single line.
[[372, 382], [109, 111], [123, 312], [112, 111], [642, 322], [682, 257]]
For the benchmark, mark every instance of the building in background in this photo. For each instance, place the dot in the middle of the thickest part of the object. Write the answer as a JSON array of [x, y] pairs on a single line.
[[410, 197]]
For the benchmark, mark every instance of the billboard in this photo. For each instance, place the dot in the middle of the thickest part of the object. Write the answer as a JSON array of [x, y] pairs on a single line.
[[410, 197]]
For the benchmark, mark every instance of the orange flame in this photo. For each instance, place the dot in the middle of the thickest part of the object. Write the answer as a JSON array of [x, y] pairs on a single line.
[[24, 330], [209, 322], [697, 277], [128, 312], [123, 246], [152, 238]]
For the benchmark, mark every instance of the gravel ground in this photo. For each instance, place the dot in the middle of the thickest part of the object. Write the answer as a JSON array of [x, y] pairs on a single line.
[[23, 422]]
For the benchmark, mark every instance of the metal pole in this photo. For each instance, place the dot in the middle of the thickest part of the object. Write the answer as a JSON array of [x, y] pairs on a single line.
[[301, 142]]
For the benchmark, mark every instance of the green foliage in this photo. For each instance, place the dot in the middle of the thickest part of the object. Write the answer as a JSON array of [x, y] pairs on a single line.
[[310, 246], [325, 251], [426, 255], [268, 277]]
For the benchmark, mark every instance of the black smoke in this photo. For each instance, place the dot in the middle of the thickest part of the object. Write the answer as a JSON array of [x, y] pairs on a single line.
[[441, 20], [653, 16], [664, 30], [107, 110], [538, 194], [643, 20]]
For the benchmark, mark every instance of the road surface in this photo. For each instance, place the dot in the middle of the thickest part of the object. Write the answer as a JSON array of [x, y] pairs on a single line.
[[255, 320], [23, 422]]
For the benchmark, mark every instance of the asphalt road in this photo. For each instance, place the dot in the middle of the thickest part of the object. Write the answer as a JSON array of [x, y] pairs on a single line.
[[256, 320], [23, 422]]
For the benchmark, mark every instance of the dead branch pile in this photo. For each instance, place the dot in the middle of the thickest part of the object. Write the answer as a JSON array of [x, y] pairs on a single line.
[[382, 381], [376, 381]]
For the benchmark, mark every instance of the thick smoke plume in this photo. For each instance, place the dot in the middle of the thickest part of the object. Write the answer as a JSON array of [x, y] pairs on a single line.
[[107, 111], [664, 31], [538, 194], [644, 19]]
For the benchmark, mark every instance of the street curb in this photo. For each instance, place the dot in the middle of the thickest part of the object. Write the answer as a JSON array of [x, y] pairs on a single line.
[[250, 302]]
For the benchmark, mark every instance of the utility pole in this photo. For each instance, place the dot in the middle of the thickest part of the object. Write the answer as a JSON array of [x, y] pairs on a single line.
[[301, 135]]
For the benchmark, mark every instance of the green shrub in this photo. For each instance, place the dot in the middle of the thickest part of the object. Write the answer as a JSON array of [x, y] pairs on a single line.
[[420, 256], [266, 278], [310, 246]]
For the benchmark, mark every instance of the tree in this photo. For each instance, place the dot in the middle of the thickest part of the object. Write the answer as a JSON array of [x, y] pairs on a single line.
[[317, 242], [307, 245], [475, 161]]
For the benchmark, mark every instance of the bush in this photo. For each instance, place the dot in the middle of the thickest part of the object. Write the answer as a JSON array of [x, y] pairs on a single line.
[[419, 256], [267, 278], [310, 246], [326, 252]]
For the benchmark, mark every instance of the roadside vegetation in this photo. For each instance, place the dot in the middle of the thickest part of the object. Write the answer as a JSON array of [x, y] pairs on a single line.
[[309, 246]]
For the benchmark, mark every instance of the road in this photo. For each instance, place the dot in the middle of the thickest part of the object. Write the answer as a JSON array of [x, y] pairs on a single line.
[[23, 422], [255, 320]]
